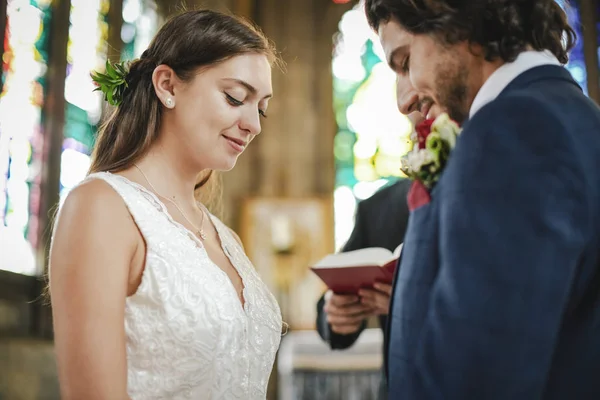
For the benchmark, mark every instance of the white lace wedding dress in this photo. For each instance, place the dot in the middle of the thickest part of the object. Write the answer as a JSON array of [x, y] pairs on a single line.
[[188, 336]]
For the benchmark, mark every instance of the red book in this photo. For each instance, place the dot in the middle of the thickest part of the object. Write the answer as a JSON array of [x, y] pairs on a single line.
[[346, 273]]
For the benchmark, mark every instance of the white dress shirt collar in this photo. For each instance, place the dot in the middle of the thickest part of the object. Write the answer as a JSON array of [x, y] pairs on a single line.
[[504, 75]]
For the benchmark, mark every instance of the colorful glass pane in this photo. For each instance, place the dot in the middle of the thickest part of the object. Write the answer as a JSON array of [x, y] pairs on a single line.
[[24, 66], [371, 134], [576, 64], [140, 21], [86, 52]]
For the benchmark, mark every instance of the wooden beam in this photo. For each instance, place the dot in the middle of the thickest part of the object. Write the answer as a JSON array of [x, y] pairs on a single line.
[[115, 23], [54, 120], [244, 8], [589, 22]]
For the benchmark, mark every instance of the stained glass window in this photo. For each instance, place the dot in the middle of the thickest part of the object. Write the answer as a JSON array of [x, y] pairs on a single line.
[[86, 52], [576, 64], [371, 134], [21, 138], [140, 21]]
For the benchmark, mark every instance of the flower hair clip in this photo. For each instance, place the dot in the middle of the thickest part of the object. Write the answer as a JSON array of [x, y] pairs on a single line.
[[113, 82]]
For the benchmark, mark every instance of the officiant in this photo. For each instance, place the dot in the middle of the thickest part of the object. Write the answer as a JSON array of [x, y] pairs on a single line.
[[380, 222]]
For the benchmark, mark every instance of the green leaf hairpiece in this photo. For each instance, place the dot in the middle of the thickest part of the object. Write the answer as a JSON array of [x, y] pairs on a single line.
[[112, 82]]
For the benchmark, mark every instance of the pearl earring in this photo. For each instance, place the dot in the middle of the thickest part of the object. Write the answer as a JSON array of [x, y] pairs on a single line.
[[169, 102]]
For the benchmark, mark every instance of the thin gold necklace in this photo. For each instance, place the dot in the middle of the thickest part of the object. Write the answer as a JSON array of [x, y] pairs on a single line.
[[199, 231]]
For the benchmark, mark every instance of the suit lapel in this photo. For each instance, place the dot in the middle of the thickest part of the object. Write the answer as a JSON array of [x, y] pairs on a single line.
[[388, 325]]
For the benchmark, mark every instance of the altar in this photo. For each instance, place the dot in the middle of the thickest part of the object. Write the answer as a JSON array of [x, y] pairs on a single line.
[[309, 370]]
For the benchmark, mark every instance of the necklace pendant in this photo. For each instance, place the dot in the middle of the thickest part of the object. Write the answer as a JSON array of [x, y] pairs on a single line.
[[202, 234]]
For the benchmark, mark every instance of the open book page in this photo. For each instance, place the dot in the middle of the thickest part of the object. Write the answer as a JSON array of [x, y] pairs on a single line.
[[350, 271], [397, 251], [373, 256]]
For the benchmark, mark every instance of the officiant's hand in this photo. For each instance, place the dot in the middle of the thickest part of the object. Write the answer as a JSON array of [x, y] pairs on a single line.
[[345, 313], [378, 298]]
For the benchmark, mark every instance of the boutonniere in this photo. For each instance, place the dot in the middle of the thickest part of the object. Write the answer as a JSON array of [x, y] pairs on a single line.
[[432, 141]]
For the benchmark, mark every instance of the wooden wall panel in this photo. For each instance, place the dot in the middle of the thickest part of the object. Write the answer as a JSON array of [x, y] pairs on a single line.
[[293, 157]]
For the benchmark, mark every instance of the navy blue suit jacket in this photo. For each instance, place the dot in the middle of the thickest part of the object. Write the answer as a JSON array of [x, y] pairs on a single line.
[[498, 291]]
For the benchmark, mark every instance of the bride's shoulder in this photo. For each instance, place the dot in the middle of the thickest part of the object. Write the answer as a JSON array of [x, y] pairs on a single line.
[[92, 195], [92, 202]]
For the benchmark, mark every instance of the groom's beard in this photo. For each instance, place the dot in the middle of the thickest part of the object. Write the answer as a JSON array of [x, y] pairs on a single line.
[[452, 91]]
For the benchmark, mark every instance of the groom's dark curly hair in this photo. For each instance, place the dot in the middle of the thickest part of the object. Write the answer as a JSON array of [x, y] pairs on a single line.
[[503, 28]]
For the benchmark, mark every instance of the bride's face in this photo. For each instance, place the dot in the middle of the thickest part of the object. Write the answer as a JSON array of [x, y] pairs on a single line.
[[218, 113]]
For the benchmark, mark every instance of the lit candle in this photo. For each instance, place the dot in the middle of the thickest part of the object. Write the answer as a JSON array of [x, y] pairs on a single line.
[[281, 233]]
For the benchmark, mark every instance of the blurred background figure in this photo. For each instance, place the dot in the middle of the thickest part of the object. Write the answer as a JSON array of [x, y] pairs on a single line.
[[333, 137], [381, 221]]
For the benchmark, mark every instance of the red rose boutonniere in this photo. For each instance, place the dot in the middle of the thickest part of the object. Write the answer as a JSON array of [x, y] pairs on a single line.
[[432, 141]]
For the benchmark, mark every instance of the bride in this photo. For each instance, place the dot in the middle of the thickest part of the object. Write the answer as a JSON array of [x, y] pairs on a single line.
[[154, 297]]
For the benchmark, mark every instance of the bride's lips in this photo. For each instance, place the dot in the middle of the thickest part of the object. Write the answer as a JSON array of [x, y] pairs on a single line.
[[238, 145]]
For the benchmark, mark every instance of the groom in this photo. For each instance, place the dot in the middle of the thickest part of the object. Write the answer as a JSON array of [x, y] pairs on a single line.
[[498, 291]]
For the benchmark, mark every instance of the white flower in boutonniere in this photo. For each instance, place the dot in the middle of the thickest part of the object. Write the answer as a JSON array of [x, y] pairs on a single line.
[[417, 158], [432, 142]]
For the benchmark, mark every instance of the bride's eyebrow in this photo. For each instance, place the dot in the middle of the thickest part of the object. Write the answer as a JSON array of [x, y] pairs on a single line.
[[248, 86]]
